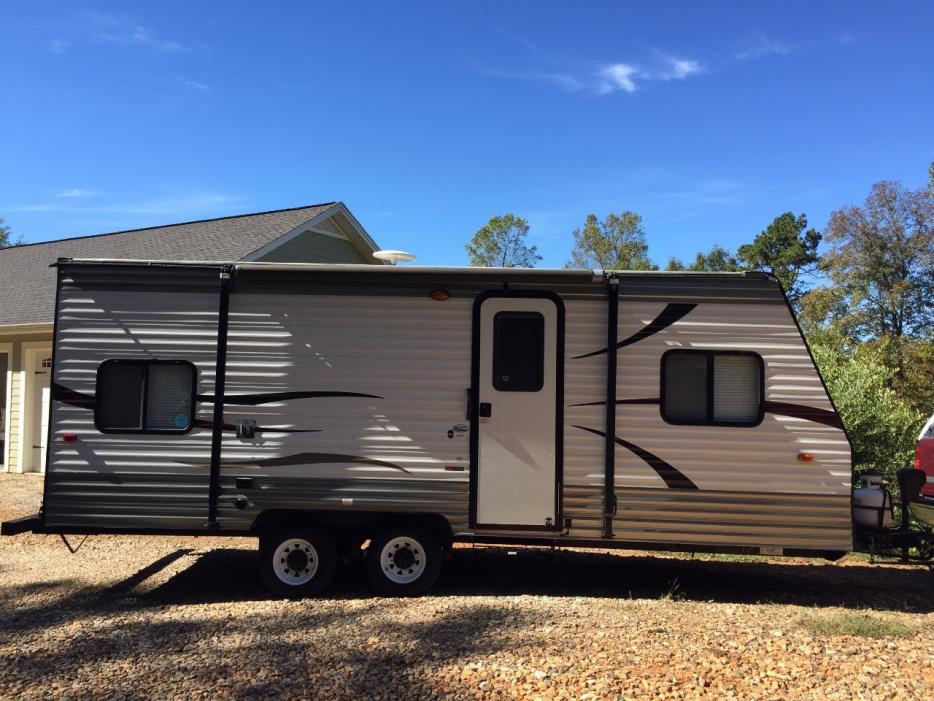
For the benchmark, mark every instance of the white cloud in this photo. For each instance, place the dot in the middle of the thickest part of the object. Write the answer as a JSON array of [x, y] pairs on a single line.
[[565, 81], [195, 203], [120, 31], [679, 69], [617, 76], [519, 39], [609, 78], [762, 46], [626, 76], [193, 83], [78, 192]]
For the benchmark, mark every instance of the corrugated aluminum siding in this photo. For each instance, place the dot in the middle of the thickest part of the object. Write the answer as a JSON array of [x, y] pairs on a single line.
[[130, 480], [751, 489], [392, 451], [412, 353], [584, 383]]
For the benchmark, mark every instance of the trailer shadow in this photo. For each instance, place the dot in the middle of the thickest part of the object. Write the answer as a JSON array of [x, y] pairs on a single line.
[[225, 575]]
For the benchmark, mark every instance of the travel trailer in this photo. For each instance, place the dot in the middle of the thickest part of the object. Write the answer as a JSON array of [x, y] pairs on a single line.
[[325, 408]]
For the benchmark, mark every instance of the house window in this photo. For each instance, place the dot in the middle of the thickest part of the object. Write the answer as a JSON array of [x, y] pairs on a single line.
[[145, 396], [518, 351], [712, 388]]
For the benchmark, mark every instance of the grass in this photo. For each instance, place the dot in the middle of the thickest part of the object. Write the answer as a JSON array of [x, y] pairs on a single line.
[[858, 624]]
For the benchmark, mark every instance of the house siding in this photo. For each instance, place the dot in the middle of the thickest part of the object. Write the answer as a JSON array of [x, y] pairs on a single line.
[[13, 413], [316, 247], [17, 364]]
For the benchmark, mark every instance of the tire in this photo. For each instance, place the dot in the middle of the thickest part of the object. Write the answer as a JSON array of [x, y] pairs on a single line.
[[404, 561], [297, 562]]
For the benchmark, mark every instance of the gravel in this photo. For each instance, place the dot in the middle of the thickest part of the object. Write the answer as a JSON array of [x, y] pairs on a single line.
[[188, 618]]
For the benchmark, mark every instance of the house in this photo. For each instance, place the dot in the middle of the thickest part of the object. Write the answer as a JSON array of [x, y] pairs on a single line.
[[323, 233]]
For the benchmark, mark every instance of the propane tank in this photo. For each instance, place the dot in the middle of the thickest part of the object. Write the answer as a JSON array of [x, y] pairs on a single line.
[[872, 503]]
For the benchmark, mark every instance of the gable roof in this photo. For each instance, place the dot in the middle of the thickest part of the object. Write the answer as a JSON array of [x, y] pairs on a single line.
[[27, 283]]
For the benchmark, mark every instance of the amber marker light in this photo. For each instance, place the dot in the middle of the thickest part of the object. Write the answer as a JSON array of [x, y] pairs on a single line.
[[805, 457], [439, 295]]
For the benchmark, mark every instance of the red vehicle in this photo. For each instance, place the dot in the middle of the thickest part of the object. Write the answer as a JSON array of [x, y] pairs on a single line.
[[924, 456]]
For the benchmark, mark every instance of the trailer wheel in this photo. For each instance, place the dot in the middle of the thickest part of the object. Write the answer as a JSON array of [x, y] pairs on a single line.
[[297, 562], [404, 561]]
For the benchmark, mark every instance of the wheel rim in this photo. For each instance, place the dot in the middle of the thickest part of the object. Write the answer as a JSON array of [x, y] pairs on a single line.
[[295, 561], [403, 560]]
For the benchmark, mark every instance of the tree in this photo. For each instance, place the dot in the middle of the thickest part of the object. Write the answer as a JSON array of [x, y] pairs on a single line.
[[5, 232], [675, 265], [788, 250], [881, 261], [501, 242], [616, 243], [883, 428], [716, 260]]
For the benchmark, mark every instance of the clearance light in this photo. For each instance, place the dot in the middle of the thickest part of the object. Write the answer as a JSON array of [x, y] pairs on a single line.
[[69, 437], [440, 295], [805, 457]]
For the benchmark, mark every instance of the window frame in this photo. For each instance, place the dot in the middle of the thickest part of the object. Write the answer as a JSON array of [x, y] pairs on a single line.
[[507, 313], [146, 363], [710, 421]]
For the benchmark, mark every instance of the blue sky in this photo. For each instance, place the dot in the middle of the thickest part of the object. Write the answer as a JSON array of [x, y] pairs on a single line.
[[708, 118]]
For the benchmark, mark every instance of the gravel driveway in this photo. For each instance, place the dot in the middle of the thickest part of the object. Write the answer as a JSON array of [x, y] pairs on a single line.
[[188, 618]]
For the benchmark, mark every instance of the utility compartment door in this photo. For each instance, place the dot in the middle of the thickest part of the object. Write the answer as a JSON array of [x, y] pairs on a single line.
[[517, 381]]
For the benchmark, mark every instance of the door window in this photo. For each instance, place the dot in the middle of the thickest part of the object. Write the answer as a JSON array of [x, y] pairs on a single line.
[[518, 351]]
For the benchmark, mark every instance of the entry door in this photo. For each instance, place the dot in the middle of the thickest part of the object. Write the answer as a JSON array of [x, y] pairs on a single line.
[[40, 404], [517, 413]]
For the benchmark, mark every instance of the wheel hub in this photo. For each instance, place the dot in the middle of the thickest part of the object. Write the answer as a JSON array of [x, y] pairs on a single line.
[[295, 561], [402, 560]]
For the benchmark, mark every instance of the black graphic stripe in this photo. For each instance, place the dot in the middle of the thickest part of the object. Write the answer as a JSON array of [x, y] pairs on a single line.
[[669, 315], [672, 477], [271, 397], [63, 394], [308, 459], [798, 411], [809, 413], [202, 423], [621, 401]]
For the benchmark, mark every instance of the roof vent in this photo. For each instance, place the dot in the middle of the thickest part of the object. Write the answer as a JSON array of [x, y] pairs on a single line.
[[393, 257]]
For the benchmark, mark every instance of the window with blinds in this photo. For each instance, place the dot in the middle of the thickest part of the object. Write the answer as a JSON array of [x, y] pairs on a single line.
[[712, 388], [145, 396]]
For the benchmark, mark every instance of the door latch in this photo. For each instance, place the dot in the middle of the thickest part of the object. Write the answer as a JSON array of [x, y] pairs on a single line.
[[246, 428], [486, 409]]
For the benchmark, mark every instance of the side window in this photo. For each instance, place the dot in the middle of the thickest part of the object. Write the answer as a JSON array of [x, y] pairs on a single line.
[[518, 351], [712, 388], [144, 396]]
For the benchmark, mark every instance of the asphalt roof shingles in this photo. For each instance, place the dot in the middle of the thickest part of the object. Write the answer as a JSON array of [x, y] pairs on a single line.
[[27, 283]]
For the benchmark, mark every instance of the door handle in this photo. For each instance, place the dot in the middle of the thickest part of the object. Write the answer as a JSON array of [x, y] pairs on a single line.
[[486, 409]]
